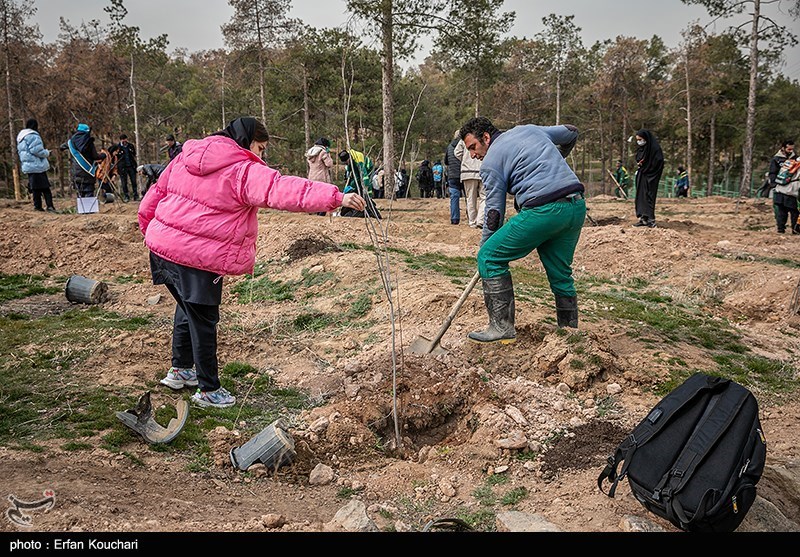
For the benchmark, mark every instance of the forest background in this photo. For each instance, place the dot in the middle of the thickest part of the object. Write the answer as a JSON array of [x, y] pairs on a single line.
[[718, 101]]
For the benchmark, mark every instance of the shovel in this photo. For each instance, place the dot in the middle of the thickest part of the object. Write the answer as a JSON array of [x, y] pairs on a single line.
[[422, 345]]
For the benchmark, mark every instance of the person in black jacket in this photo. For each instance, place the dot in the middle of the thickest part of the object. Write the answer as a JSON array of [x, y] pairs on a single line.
[[83, 154], [174, 148], [650, 161], [126, 166], [783, 205], [453, 165], [425, 179], [151, 173]]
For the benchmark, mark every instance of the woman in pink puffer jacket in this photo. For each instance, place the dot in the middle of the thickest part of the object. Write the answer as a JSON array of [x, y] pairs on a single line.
[[200, 222]]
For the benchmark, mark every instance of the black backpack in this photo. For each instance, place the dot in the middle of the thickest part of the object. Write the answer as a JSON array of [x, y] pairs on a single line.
[[696, 458]]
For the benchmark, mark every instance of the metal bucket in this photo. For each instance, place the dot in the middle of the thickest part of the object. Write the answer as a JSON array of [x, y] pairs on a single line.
[[274, 447], [82, 290]]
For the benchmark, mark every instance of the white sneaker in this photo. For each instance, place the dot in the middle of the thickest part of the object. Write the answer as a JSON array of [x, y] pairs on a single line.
[[214, 399], [178, 378]]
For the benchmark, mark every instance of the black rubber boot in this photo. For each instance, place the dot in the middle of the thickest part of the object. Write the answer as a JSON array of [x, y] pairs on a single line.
[[498, 294], [567, 311]]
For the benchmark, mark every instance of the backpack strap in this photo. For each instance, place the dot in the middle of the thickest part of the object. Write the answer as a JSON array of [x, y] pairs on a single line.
[[85, 165], [709, 429], [681, 396]]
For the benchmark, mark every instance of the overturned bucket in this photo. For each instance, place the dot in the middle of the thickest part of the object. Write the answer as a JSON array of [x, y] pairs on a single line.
[[82, 290], [273, 447]]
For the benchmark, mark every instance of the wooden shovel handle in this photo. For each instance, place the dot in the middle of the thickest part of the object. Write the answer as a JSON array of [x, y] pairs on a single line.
[[456, 307]]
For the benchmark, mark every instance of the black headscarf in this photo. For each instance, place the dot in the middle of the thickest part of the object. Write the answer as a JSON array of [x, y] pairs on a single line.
[[650, 154], [324, 141], [241, 130]]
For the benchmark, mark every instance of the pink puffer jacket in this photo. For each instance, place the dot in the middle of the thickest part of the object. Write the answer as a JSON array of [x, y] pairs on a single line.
[[202, 212]]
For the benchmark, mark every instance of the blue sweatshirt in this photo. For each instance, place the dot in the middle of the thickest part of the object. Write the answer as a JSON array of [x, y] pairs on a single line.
[[528, 163]]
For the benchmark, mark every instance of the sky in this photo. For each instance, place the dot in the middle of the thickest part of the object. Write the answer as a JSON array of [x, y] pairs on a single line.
[[195, 24]]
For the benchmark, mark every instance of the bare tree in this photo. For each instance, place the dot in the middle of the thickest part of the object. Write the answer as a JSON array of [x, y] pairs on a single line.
[[562, 42], [397, 23], [13, 18], [258, 24], [477, 48]]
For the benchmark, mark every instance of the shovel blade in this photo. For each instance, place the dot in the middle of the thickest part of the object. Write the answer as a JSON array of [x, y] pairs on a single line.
[[423, 346]]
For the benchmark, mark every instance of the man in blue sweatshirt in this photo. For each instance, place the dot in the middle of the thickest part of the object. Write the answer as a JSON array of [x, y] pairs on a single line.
[[528, 163]]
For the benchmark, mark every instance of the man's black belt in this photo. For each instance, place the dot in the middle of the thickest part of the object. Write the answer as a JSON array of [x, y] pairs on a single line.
[[570, 197]]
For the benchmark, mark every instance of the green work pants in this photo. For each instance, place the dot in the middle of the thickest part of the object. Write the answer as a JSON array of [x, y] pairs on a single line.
[[553, 230]]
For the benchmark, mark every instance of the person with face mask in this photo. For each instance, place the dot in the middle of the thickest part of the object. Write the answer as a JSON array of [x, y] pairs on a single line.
[[200, 223], [650, 166]]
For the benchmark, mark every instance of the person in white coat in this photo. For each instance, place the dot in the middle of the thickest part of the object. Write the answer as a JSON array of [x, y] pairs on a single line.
[[34, 163], [473, 185]]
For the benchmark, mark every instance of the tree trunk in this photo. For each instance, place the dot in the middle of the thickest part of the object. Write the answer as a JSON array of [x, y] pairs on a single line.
[[135, 111], [306, 122], [623, 140], [261, 70], [224, 119], [387, 90], [747, 150], [688, 123], [477, 97], [558, 98], [60, 172], [712, 148], [12, 144]]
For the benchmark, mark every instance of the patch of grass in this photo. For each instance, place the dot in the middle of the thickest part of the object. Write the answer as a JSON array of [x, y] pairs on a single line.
[[758, 373], [514, 496], [360, 307], [40, 393], [386, 515], [291, 398], [459, 267], [128, 279], [653, 297], [781, 261], [76, 446], [527, 456], [238, 369], [575, 338], [482, 520], [577, 364], [313, 321], [133, 458], [26, 445], [15, 287], [497, 479], [262, 288], [671, 321], [314, 279], [606, 406], [484, 495], [636, 283], [347, 492], [199, 463], [595, 360], [554, 437], [532, 282], [114, 440]]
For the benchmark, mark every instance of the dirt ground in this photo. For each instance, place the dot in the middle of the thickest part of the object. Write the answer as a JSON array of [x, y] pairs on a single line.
[[466, 416]]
